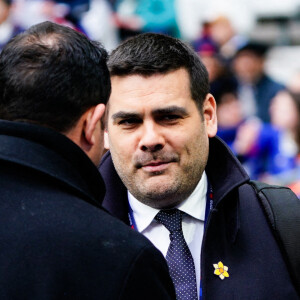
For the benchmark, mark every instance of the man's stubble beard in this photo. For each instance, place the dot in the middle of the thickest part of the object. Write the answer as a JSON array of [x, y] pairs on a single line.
[[164, 195]]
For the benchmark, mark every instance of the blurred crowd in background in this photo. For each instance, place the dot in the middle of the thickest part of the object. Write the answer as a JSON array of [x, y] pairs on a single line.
[[250, 51]]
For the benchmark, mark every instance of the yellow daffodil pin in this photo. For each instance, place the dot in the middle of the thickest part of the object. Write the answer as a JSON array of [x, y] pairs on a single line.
[[221, 270]]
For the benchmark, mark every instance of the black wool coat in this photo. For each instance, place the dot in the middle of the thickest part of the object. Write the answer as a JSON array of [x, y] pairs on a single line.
[[237, 232], [55, 240]]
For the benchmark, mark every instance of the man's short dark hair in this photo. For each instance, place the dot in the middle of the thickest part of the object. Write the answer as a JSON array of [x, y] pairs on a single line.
[[149, 53], [50, 75]]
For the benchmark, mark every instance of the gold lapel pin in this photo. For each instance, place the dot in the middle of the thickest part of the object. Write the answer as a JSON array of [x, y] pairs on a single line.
[[221, 270]]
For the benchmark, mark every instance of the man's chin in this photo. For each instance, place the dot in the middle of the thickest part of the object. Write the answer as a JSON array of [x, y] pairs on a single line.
[[158, 196], [159, 187]]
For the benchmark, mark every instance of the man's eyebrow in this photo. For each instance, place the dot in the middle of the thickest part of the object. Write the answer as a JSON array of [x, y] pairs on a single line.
[[170, 110], [159, 111], [124, 115]]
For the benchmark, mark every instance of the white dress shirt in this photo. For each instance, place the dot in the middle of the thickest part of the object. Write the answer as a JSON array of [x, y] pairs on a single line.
[[192, 223]]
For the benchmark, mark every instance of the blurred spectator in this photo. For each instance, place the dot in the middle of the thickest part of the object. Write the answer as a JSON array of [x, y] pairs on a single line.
[[192, 13], [285, 111], [204, 44], [31, 12], [126, 19], [285, 114], [225, 35], [98, 24], [239, 132], [158, 16], [256, 88], [270, 151], [136, 16], [8, 26], [76, 9], [221, 78], [229, 112]]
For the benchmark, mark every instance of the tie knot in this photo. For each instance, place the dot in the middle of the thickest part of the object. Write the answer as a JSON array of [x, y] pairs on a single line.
[[171, 219]]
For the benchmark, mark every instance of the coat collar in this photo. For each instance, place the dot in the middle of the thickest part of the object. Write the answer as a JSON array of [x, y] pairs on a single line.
[[224, 171], [115, 200], [51, 153], [226, 174]]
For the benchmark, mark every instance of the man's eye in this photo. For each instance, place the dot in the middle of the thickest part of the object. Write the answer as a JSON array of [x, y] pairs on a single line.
[[170, 118], [130, 121]]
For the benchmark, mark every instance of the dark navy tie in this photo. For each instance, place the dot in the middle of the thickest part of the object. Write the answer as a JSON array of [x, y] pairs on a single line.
[[179, 258]]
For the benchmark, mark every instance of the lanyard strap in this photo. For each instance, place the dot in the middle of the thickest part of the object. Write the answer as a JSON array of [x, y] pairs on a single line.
[[208, 208], [132, 223], [209, 202]]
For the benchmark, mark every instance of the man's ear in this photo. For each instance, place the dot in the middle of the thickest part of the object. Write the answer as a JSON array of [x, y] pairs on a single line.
[[94, 115], [210, 115]]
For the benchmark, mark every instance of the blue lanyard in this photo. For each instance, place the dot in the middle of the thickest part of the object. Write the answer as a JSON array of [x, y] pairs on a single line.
[[208, 207], [209, 202], [131, 218]]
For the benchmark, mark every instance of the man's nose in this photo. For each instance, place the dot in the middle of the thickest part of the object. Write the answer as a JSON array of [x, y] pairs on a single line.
[[151, 138]]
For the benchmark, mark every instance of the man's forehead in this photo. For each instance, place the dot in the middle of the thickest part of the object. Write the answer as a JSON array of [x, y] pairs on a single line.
[[135, 77], [158, 92]]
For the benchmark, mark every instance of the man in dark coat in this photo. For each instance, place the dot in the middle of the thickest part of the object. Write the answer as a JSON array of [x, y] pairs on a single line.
[[56, 240], [256, 89], [164, 157]]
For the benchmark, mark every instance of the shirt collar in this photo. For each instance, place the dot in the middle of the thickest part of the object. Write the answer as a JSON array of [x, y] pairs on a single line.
[[194, 206]]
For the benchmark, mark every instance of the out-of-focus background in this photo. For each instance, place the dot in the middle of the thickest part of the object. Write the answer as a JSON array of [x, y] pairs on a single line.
[[251, 49]]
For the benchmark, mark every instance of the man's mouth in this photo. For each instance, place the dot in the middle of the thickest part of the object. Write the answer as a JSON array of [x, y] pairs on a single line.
[[155, 166], [155, 163]]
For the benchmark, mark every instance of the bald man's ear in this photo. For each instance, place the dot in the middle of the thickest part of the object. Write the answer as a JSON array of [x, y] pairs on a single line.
[[94, 115]]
